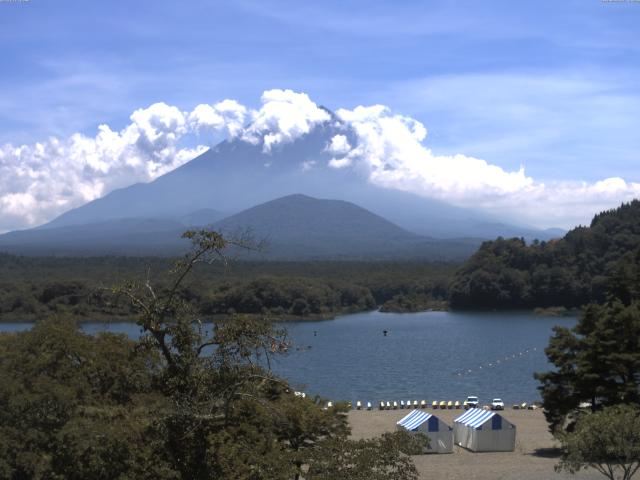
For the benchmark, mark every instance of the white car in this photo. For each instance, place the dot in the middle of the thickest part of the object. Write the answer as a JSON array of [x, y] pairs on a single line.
[[471, 402], [497, 404]]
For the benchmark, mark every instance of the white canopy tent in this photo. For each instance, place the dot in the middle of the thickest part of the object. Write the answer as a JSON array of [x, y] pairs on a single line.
[[484, 431], [440, 434]]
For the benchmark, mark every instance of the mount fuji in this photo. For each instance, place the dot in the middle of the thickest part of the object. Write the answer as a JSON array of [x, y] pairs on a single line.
[[237, 175]]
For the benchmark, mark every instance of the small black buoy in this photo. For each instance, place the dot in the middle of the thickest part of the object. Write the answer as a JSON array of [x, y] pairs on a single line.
[[315, 333], [385, 332]]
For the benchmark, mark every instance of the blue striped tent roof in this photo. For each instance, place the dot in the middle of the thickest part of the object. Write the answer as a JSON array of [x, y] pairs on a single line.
[[475, 417], [414, 419]]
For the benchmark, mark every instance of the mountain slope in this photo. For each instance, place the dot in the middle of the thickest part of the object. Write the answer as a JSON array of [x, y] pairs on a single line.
[[295, 227], [128, 236], [298, 226], [236, 175]]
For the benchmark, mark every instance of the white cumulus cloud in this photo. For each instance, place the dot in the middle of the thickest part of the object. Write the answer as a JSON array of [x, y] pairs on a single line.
[[227, 115], [42, 180], [391, 149], [284, 116]]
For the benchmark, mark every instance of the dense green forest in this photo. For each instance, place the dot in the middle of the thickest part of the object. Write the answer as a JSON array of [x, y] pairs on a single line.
[[569, 272], [32, 288]]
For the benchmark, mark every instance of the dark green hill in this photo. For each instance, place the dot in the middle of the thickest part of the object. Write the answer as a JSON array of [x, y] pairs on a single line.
[[577, 269], [302, 227], [295, 227]]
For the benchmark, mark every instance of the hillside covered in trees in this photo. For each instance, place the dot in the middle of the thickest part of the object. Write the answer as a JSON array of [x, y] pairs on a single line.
[[569, 272]]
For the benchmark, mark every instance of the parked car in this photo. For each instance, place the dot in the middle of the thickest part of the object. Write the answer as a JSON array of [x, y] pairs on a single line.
[[497, 404], [471, 402]]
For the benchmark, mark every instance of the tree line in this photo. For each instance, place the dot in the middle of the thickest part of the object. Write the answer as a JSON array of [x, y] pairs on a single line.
[[568, 272], [32, 288]]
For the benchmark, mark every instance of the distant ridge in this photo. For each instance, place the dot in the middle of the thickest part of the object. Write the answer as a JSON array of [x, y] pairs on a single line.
[[295, 227]]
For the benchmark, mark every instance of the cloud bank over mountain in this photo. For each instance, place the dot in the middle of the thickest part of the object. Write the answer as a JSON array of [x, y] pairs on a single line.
[[43, 180]]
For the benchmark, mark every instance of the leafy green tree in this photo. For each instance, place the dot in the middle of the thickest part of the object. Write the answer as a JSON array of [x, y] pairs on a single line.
[[188, 401], [76, 406], [386, 457], [232, 418], [597, 362], [607, 441]]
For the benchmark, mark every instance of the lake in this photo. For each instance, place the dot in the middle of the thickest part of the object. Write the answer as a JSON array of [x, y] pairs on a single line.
[[428, 355]]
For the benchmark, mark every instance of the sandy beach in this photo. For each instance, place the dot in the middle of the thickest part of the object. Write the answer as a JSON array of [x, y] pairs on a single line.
[[533, 459]]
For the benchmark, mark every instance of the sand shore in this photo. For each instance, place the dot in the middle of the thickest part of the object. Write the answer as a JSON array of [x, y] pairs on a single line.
[[533, 459]]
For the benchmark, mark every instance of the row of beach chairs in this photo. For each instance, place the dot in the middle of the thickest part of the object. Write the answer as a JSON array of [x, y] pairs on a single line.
[[422, 404]]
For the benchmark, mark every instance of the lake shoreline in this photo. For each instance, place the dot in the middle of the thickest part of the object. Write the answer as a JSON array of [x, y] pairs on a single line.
[[374, 356], [290, 318]]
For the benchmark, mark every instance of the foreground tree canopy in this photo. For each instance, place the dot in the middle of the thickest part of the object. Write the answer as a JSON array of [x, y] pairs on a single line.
[[607, 441], [187, 401], [597, 361]]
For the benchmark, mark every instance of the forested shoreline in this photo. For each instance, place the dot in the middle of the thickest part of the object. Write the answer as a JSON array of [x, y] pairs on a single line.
[[33, 288]]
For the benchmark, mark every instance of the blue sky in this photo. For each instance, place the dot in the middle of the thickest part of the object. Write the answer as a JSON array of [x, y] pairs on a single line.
[[550, 85]]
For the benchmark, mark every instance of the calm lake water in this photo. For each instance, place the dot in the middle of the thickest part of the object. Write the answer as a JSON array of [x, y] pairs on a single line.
[[430, 355]]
